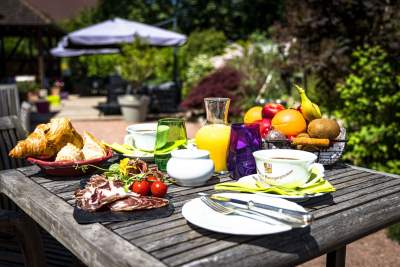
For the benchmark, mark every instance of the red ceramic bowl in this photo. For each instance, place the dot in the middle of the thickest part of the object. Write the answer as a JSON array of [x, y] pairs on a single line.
[[68, 168]]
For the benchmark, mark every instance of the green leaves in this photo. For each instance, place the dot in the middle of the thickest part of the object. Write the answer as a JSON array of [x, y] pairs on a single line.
[[137, 62], [198, 68], [371, 100]]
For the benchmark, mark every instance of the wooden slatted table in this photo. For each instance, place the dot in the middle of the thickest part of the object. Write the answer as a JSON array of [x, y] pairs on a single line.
[[365, 201]]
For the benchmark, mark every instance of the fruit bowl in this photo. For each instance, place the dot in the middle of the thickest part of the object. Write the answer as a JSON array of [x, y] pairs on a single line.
[[325, 156], [69, 168]]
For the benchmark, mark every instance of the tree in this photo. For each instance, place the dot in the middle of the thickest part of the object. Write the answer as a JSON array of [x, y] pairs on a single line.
[[237, 19], [323, 34]]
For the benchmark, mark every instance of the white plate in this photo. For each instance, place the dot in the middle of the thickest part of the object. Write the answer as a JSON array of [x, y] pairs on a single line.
[[198, 213], [251, 181]]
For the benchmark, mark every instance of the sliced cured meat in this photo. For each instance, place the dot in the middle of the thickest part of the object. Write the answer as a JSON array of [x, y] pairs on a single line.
[[99, 192], [126, 204], [96, 181], [138, 203]]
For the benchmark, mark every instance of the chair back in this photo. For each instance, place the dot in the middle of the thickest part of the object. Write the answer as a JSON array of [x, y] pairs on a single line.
[[11, 132], [9, 100]]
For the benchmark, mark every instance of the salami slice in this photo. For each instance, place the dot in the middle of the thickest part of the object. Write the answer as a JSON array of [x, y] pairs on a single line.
[[126, 204], [138, 203]]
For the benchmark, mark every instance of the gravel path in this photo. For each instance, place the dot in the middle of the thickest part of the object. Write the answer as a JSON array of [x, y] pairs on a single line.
[[373, 250]]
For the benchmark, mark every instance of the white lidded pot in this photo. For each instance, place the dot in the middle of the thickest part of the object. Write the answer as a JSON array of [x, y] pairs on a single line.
[[190, 167]]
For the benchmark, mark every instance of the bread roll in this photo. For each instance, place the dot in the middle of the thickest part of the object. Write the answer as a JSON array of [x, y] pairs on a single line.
[[92, 148], [69, 153]]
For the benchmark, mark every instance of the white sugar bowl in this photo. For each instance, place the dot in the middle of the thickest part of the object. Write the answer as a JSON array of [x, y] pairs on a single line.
[[190, 167]]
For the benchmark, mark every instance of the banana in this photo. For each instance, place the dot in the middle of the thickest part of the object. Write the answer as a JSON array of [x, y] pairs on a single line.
[[309, 110]]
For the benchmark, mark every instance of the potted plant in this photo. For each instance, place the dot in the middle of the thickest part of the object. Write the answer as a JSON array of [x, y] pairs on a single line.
[[136, 65]]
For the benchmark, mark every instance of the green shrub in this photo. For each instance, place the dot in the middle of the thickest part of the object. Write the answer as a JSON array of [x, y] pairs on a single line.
[[163, 67], [198, 68], [137, 62], [99, 65], [209, 42], [262, 77], [371, 110]]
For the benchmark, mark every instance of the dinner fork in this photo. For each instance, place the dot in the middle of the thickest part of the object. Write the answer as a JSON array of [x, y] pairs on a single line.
[[227, 211]]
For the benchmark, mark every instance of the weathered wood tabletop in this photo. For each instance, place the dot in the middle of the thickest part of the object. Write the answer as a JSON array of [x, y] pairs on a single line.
[[365, 201]]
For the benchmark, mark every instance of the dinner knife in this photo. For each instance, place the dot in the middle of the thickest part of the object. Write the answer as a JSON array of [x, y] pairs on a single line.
[[305, 217], [282, 218]]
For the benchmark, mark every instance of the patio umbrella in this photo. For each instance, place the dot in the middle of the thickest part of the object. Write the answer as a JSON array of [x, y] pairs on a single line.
[[105, 37], [117, 31]]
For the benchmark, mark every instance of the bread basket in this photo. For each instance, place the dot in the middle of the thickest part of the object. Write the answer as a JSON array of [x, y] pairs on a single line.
[[69, 168]]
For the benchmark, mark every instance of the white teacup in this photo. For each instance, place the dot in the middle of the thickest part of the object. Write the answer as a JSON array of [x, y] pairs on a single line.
[[142, 136], [284, 167]]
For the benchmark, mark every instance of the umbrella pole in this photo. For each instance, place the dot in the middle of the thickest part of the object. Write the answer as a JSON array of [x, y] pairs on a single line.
[[175, 66], [176, 74]]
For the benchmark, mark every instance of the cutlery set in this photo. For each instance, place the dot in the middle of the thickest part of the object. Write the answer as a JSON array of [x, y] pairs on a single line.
[[268, 214]]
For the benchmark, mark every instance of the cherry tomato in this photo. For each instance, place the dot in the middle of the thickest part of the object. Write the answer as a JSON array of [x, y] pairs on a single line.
[[151, 179], [141, 187], [159, 189]]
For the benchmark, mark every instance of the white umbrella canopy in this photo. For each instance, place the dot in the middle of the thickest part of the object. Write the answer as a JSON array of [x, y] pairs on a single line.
[[104, 38], [117, 30]]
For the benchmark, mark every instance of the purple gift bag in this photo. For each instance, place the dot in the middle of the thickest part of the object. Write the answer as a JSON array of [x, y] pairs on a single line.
[[244, 140]]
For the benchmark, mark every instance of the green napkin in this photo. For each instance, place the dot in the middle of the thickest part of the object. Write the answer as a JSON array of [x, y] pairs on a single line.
[[315, 184], [127, 149]]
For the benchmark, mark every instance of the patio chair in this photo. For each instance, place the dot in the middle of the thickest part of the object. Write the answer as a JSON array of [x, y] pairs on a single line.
[[9, 100], [115, 88], [10, 104], [164, 97], [19, 234], [15, 226]]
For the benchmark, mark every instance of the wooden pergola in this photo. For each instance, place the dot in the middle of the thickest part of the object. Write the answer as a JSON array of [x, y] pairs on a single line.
[[22, 25]]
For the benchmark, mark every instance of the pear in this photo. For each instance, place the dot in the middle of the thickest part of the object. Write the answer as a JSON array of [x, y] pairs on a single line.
[[309, 110]]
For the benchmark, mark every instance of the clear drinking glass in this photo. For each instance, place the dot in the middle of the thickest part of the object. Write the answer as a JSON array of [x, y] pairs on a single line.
[[214, 135], [171, 135], [244, 140]]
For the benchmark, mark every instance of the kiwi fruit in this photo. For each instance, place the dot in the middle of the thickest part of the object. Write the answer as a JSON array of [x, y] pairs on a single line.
[[303, 135], [323, 128]]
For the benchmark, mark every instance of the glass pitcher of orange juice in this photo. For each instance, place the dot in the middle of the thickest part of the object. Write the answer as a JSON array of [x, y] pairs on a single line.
[[214, 135]]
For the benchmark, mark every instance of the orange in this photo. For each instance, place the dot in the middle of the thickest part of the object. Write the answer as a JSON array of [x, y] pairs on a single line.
[[253, 114], [289, 122]]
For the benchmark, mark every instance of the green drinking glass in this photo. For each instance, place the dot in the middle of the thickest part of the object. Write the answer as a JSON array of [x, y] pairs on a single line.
[[171, 135]]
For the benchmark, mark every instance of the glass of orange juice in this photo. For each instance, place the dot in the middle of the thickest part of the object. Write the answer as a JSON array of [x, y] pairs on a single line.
[[214, 135]]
